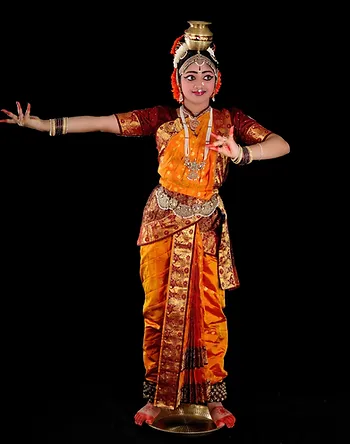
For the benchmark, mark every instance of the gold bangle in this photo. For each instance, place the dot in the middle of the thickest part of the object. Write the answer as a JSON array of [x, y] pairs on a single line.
[[261, 151], [250, 155], [52, 127], [238, 158], [65, 125]]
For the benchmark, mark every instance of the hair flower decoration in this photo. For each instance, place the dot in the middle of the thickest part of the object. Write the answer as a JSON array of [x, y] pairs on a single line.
[[212, 54], [180, 53]]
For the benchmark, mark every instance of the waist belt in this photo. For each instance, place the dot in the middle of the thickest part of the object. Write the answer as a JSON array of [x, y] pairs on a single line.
[[203, 208]]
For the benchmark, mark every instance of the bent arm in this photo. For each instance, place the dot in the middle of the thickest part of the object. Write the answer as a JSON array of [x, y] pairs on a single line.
[[273, 146]]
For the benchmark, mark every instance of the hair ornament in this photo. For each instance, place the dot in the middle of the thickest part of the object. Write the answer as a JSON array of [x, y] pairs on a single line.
[[180, 53], [212, 54]]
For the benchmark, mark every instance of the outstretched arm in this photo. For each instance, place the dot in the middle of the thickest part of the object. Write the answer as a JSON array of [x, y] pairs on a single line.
[[78, 124]]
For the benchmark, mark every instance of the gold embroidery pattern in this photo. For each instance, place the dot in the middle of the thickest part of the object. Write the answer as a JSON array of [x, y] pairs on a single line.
[[227, 270], [168, 393], [158, 224], [256, 133], [129, 124], [165, 132]]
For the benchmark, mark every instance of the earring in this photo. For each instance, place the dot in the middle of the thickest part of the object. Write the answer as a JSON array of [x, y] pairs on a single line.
[[181, 97]]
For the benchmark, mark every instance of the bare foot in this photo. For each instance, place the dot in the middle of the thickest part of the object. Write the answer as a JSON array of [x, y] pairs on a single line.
[[220, 415], [147, 414]]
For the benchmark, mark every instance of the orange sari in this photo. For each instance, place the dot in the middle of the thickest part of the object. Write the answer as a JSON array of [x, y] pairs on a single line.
[[186, 262], [185, 338]]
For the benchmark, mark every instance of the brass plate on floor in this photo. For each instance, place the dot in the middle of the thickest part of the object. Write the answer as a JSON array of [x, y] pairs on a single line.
[[187, 419]]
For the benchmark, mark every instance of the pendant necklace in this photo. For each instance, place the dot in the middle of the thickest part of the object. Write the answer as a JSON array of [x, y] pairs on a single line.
[[195, 166], [194, 122]]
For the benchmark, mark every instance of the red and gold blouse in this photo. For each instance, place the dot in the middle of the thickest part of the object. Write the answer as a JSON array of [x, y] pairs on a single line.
[[165, 124]]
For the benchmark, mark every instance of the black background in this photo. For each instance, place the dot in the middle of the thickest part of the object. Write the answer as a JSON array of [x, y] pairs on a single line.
[[72, 205]]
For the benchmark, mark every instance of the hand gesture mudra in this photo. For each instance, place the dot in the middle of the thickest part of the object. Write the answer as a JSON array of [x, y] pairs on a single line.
[[22, 119], [225, 145]]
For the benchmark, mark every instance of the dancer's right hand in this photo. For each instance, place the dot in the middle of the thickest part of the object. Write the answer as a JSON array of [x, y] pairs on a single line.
[[23, 119]]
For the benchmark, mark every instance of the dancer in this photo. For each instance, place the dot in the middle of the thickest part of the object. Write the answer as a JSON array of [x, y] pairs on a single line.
[[186, 260]]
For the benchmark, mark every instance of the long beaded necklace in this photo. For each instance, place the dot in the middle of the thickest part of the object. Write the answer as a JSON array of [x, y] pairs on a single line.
[[195, 166]]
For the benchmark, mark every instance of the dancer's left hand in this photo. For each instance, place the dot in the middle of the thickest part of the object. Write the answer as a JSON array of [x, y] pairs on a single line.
[[225, 145]]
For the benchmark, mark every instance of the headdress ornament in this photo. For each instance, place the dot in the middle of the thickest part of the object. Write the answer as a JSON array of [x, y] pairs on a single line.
[[195, 43], [198, 36]]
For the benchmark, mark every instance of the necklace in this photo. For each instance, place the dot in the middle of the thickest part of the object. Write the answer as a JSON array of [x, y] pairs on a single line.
[[195, 166], [194, 122]]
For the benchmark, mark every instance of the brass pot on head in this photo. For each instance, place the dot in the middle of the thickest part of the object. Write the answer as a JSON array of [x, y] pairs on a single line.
[[198, 36]]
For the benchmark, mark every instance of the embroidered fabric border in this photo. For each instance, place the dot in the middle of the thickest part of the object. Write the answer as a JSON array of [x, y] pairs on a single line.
[[218, 392], [205, 209]]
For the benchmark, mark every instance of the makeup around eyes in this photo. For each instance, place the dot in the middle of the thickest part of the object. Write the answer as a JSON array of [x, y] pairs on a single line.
[[205, 78]]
